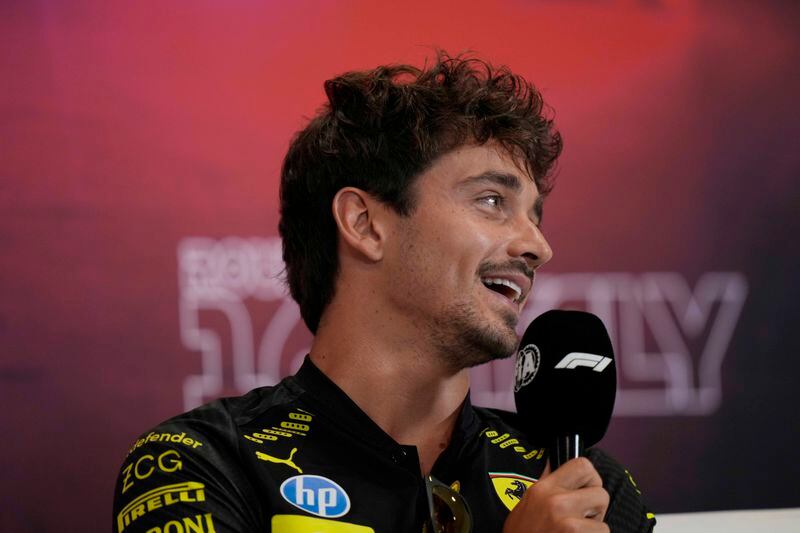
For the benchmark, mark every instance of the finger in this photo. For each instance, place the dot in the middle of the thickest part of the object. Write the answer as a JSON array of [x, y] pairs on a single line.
[[575, 474], [589, 502], [585, 526], [547, 470], [596, 499]]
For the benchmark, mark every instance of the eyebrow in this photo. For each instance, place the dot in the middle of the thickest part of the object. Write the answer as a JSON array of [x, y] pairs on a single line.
[[509, 181]]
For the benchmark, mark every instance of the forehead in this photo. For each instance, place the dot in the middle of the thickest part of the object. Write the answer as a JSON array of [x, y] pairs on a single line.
[[460, 166]]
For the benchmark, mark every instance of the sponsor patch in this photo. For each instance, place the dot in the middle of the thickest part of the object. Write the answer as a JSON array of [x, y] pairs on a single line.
[[528, 359], [510, 487], [176, 438], [317, 495], [308, 524], [279, 460], [201, 523], [168, 461], [187, 492]]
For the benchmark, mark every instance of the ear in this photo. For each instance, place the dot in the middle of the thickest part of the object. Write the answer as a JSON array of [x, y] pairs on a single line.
[[359, 218]]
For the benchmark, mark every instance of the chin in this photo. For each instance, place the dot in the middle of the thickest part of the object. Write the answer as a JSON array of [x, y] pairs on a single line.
[[466, 341], [489, 344], [500, 341]]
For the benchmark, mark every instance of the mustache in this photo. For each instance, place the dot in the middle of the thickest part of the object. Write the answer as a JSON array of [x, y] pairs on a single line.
[[517, 265]]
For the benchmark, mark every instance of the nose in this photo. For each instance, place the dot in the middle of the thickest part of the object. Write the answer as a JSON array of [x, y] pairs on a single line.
[[530, 244]]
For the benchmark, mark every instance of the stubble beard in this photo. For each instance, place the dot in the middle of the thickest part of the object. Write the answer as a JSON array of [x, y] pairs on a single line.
[[464, 340]]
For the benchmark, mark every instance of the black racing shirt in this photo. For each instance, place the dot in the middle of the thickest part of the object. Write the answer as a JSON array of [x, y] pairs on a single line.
[[303, 457]]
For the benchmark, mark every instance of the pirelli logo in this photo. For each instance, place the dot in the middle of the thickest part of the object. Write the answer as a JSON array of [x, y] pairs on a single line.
[[190, 491]]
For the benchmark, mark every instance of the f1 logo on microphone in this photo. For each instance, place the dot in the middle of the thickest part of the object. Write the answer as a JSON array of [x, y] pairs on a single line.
[[598, 363]]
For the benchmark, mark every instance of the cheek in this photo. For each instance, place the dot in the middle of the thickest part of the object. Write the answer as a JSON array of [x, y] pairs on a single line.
[[464, 247], [442, 253]]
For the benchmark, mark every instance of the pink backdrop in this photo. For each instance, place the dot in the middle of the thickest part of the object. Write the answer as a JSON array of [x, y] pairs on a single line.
[[140, 146]]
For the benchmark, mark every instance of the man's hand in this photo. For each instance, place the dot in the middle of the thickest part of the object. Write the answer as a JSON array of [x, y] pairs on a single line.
[[570, 499]]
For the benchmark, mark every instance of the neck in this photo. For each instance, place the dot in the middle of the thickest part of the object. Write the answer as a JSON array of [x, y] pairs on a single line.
[[404, 389]]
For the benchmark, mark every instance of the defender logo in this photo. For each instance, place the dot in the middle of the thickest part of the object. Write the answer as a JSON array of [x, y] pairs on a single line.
[[598, 363], [317, 495], [527, 365]]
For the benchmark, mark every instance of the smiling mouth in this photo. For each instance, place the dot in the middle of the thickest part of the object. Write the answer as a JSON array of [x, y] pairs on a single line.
[[504, 287]]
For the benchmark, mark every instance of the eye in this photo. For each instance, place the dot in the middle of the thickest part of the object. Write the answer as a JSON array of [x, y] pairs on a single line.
[[493, 200]]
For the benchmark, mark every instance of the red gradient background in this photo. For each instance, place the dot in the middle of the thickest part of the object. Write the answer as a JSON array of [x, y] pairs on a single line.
[[128, 126]]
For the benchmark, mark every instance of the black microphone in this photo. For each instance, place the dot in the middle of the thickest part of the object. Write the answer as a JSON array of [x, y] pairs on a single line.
[[565, 382]]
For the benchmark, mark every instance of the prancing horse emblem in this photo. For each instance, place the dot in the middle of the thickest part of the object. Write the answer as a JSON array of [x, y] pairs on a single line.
[[287, 462], [517, 491]]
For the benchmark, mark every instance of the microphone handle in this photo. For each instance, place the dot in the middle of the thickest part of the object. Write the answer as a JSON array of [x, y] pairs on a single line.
[[565, 447]]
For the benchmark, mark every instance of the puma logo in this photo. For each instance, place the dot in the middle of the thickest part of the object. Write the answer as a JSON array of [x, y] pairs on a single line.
[[287, 462]]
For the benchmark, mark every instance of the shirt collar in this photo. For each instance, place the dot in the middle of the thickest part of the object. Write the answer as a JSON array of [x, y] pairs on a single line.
[[327, 399]]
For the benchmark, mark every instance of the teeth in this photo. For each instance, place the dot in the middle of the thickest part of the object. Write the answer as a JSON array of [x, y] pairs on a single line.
[[510, 284]]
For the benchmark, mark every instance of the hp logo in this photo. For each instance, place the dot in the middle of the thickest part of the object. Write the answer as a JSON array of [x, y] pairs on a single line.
[[317, 495]]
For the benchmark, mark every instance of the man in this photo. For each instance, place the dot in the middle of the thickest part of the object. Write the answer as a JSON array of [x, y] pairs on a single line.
[[410, 215]]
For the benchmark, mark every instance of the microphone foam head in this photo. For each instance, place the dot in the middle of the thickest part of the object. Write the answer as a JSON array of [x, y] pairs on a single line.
[[566, 381]]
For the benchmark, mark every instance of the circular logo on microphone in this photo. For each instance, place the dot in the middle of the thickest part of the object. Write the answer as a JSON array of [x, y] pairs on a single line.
[[527, 365]]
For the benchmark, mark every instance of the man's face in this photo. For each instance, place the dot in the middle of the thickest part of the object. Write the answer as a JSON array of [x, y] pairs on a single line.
[[461, 265]]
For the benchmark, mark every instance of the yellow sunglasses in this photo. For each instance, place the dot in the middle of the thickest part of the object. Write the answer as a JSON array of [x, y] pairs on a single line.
[[449, 512]]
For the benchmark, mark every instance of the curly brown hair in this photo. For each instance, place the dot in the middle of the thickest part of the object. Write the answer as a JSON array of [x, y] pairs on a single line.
[[379, 130]]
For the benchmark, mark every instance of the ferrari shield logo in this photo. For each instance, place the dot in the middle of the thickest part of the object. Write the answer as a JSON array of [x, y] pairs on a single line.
[[510, 487]]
